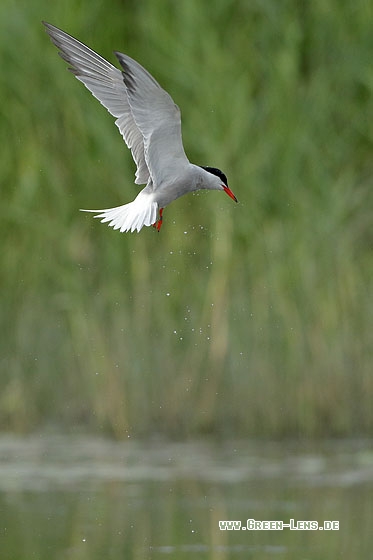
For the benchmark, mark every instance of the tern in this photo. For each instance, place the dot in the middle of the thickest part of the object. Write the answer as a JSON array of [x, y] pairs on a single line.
[[150, 123]]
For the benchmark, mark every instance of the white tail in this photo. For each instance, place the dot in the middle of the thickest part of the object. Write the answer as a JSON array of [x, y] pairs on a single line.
[[140, 212]]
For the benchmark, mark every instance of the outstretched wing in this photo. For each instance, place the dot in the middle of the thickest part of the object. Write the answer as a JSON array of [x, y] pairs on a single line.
[[106, 83], [158, 118]]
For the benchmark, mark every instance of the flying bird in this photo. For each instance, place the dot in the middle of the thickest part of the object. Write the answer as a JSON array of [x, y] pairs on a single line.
[[150, 123]]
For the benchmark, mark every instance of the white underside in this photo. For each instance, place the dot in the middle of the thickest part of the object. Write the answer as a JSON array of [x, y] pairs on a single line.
[[140, 212]]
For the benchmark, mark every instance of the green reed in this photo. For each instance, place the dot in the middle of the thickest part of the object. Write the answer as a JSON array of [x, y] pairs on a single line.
[[248, 319]]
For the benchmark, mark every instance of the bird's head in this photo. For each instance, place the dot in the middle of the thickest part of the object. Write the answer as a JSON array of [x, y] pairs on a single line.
[[220, 182]]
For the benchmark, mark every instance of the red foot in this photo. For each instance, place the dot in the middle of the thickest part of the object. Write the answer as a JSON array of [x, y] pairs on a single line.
[[158, 224]]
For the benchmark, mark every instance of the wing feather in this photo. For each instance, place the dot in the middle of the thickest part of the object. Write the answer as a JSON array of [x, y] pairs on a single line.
[[106, 83], [158, 118]]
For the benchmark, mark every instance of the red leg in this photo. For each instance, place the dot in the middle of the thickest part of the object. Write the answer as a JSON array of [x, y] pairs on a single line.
[[158, 223]]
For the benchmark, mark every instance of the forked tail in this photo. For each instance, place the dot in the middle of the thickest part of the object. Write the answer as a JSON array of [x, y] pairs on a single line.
[[130, 217]]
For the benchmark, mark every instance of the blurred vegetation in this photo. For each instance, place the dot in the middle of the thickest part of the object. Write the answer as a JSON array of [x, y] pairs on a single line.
[[251, 319]]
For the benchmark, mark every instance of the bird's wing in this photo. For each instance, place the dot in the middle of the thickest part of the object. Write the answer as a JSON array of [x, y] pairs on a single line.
[[158, 118], [106, 83]]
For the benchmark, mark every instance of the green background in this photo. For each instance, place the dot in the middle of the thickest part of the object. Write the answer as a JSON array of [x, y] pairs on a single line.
[[248, 320]]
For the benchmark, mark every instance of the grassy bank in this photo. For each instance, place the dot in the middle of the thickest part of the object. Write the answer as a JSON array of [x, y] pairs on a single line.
[[249, 319]]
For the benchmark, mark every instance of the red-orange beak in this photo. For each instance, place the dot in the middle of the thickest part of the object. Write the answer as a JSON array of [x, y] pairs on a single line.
[[229, 192]]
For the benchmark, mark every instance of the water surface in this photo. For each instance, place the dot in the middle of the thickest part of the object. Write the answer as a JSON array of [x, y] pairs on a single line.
[[80, 497]]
